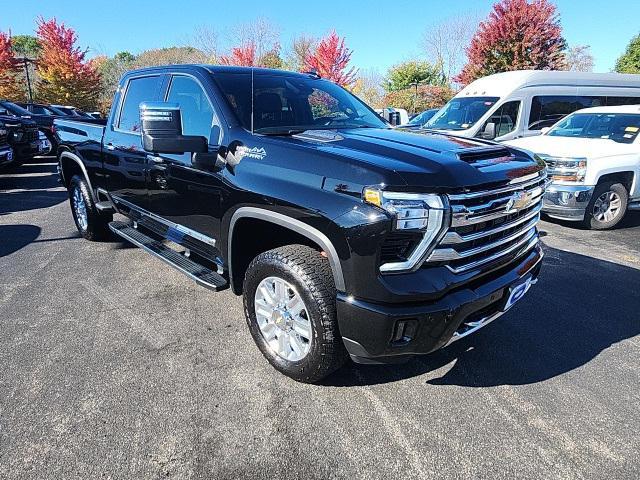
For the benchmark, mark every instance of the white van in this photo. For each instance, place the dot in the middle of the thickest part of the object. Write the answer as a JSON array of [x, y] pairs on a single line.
[[518, 104]]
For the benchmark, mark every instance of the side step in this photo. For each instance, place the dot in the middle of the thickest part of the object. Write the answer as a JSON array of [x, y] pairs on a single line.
[[200, 274], [105, 207]]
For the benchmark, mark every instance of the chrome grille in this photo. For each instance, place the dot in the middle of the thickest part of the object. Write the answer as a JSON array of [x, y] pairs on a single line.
[[491, 226]]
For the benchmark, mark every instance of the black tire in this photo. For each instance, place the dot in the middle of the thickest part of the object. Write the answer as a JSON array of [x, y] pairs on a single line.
[[96, 226], [591, 219], [310, 273]]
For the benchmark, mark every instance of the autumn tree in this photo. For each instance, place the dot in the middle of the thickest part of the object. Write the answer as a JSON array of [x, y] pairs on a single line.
[[64, 74], [111, 70], [169, 56], [9, 68], [426, 97], [368, 87], [256, 44], [300, 48], [629, 61], [407, 74], [331, 60], [517, 35], [580, 59]]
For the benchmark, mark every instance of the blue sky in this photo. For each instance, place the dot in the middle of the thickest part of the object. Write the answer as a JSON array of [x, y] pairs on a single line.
[[380, 33]]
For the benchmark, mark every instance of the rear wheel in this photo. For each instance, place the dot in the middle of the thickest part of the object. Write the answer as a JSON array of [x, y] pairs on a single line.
[[91, 224], [289, 302], [607, 207]]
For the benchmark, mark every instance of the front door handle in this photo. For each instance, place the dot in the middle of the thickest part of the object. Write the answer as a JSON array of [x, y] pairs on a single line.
[[155, 159], [110, 146]]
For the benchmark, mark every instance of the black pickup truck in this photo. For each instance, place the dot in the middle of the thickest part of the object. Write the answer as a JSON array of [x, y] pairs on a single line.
[[6, 152], [345, 237], [22, 136]]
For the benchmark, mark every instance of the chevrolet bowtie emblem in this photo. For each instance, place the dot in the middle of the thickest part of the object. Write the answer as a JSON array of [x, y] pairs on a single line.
[[518, 201]]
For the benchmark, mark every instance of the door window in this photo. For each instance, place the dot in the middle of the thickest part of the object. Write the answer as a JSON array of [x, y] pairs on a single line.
[[504, 118], [196, 110], [143, 89]]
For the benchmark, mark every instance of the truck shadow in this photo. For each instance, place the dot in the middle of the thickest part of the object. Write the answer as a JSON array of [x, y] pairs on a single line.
[[29, 187], [15, 237], [580, 307]]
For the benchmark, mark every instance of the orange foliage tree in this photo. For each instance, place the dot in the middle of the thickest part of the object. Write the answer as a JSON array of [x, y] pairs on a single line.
[[65, 77], [331, 59], [10, 88]]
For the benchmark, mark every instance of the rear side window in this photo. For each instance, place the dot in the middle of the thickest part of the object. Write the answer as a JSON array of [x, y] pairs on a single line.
[[547, 110], [143, 89], [617, 101]]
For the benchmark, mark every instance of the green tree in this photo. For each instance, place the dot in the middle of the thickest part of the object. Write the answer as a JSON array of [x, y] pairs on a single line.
[[26, 46], [429, 96], [629, 61], [409, 73]]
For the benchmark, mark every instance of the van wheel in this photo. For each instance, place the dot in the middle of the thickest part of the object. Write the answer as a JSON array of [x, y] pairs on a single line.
[[607, 207], [91, 224], [290, 307]]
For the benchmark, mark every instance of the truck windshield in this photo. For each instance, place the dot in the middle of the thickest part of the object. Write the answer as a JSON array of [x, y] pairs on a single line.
[[287, 104], [619, 127], [461, 113]]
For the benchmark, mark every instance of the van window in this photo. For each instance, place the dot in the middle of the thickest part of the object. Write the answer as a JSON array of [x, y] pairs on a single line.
[[547, 110], [505, 118], [461, 113], [139, 90], [617, 101]]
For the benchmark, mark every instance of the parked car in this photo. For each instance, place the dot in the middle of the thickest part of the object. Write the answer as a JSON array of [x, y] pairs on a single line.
[[418, 121], [593, 159], [22, 136], [518, 104], [343, 235], [44, 121], [6, 152]]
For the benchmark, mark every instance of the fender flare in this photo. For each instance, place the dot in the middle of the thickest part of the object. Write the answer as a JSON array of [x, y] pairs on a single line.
[[297, 226], [76, 159]]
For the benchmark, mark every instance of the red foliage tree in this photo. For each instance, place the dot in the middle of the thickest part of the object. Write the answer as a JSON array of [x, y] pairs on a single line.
[[330, 59], [9, 85], [65, 76], [517, 35], [242, 56]]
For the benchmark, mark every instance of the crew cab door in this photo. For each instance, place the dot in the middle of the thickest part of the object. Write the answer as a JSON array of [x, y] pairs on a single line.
[[179, 191], [124, 159]]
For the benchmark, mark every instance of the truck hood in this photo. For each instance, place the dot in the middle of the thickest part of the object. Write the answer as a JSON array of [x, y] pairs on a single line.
[[423, 158], [573, 147]]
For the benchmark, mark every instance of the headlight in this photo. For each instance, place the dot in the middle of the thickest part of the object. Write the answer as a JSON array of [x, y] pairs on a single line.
[[566, 169], [17, 136], [422, 213]]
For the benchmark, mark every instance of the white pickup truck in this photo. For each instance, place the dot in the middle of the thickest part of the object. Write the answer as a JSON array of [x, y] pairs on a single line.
[[593, 160]]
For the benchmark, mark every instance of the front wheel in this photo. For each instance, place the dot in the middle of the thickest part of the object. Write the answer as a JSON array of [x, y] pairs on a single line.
[[290, 307], [607, 207]]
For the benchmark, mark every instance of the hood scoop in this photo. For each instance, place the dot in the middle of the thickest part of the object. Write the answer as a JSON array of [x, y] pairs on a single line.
[[482, 157]]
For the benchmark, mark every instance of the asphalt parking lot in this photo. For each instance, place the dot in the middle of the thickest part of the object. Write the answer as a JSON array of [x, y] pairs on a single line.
[[115, 366]]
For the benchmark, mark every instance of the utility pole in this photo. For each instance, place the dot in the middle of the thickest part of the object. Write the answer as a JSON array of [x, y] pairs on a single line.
[[26, 61], [415, 96]]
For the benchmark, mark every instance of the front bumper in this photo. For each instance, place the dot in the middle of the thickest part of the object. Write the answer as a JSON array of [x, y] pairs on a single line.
[[374, 333], [567, 202]]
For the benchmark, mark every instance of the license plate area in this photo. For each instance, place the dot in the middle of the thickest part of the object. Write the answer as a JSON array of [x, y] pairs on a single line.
[[516, 292]]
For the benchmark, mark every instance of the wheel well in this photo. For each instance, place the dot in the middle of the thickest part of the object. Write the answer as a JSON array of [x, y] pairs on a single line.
[[625, 178], [69, 169], [251, 237]]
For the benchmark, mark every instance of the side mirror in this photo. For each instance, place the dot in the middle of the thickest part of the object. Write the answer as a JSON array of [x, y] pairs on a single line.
[[489, 132], [544, 130], [162, 130]]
